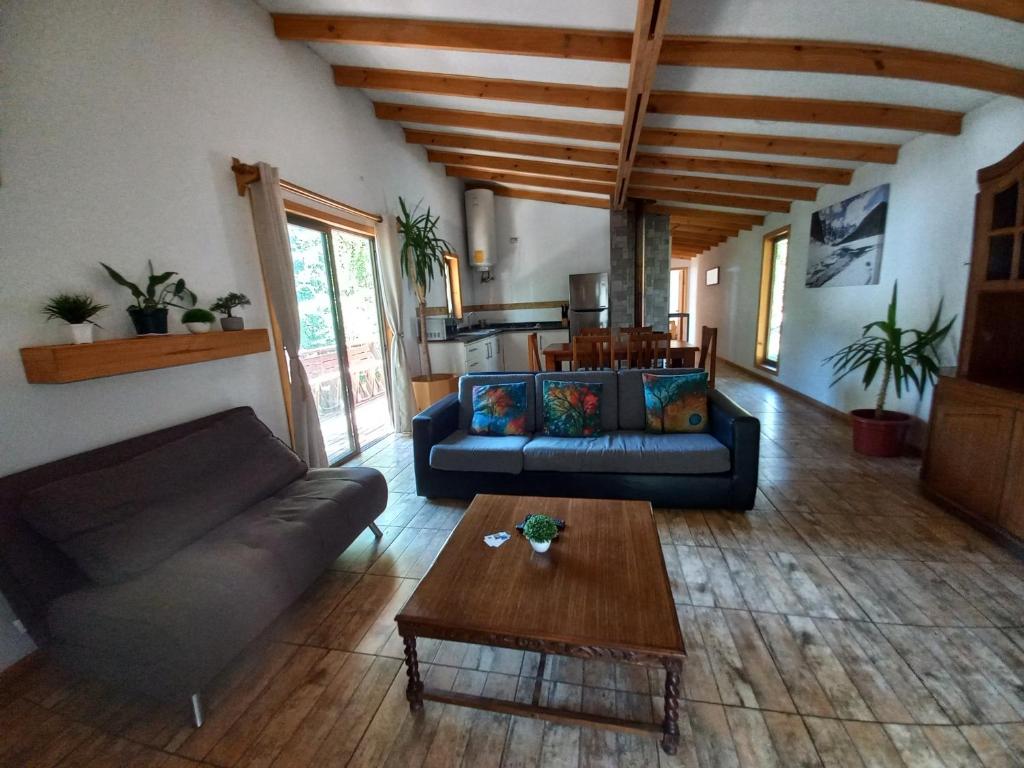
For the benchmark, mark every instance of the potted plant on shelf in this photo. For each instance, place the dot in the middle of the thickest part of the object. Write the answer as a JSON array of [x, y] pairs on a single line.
[[77, 310], [149, 315], [540, 530], [224, 305], [198, 320], [423, 252], [904, 357]]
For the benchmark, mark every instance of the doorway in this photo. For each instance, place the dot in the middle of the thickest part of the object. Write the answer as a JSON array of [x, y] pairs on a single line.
[[342, 339]]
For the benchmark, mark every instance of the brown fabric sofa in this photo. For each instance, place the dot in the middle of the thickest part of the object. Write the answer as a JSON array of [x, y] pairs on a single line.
[[152, 562]]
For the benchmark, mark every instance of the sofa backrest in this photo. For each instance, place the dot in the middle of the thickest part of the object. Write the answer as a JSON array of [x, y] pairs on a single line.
[[632, 411], [467, 382], [33, 570], [609, 394]]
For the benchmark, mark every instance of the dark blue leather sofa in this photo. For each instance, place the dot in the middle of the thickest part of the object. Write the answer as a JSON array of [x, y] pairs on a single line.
[[716, 469]]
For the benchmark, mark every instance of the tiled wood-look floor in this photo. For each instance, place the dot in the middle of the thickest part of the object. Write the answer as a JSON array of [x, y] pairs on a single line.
[[845, 621]]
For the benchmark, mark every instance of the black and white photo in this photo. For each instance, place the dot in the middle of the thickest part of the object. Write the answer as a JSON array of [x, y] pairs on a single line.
[[846, 240]]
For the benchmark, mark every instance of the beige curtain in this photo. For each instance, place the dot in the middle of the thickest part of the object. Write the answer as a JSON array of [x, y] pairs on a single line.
[[278, 272], [388, 255]]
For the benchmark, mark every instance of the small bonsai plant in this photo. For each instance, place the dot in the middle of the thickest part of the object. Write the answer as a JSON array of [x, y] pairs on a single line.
[[905, 357], [539, 531], [198, 320], [77, 310], [149, 314], [224, 305]]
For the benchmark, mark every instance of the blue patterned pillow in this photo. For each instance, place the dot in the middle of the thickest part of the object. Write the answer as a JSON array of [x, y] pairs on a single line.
[[499, 409], [572, 409], [676, 403]]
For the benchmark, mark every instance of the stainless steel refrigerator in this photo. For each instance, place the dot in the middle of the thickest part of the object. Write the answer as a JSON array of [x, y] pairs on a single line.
[[588, 301]]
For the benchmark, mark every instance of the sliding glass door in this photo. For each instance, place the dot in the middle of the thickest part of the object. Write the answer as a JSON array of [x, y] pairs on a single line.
[[342, 344]]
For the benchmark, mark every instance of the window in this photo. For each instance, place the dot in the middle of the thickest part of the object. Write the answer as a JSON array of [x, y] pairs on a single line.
[[453, 285], [773, 289]]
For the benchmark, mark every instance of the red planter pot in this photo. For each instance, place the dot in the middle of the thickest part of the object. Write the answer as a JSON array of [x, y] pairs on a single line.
[[879, 437]]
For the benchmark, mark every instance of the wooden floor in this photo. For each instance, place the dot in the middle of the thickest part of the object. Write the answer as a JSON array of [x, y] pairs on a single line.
[[844, 622]]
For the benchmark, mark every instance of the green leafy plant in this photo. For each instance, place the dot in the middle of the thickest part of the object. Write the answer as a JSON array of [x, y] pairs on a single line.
[[161, 290], [198, 315], [423, 251], [224, 304], [906, 357], [540, 528], [73, 308]]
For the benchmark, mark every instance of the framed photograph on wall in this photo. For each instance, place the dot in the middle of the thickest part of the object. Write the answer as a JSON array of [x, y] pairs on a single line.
[[711, 276], [846, 240]]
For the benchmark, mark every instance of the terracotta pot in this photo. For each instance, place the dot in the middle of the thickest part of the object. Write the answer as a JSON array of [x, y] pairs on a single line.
[[427, 390], [879, 437]]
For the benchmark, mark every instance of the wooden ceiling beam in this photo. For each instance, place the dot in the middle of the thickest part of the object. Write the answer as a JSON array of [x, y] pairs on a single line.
[[611, 133], [732, 186], [571, 152], [689, 242], [693, 229], [740, 107], [530, 180], [835, 149], [648, 31], [707, 198], [683, 213], [793, 55], [820, 174], [521, 165], [1006, 9], [549, 197]]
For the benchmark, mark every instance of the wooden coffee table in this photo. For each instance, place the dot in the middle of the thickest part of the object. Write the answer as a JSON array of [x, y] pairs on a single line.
[[600, 592]]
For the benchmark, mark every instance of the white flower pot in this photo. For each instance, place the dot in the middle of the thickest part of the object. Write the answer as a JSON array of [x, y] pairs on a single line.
[[80, 333], [198, 327], [539, 546]]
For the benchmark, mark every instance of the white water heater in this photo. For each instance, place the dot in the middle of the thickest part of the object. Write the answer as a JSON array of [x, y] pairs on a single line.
[[481, 238]]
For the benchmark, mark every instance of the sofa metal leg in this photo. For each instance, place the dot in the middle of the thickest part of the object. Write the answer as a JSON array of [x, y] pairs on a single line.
[[197, 710], [376, 531]]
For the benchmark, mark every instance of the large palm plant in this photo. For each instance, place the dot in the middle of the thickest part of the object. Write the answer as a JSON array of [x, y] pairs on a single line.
[[904, 357], [423, 251]]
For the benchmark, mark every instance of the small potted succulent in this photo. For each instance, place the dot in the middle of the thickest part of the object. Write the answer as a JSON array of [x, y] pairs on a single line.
[[149, 315], [198, 320], [77, 310], [539, 530], [225, 304]]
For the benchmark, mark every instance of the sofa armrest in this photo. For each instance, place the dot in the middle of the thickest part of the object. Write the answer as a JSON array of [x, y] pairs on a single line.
[[429, 427], [741, 434]]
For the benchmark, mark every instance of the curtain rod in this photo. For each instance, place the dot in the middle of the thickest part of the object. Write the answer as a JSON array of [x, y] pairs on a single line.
[[246, 174]]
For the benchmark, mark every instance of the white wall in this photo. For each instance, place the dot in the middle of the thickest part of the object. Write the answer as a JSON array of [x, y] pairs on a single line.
[[118, 126], [927, 249], [552, 242]]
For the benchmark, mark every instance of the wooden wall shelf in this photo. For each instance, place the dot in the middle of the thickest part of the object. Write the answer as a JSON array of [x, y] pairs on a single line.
[[65, 363]]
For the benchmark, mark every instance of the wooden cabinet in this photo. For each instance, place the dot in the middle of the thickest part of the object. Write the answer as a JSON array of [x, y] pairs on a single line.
[[1011, 516]]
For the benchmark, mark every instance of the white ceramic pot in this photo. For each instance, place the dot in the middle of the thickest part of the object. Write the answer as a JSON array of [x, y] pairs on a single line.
[[198, 327], [80, 333], [539, 546]]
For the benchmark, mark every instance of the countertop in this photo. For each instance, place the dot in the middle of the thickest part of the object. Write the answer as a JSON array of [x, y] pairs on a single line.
[[489, 331]]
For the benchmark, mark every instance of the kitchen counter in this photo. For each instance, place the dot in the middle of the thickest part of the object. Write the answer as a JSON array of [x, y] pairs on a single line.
[[489, 331]]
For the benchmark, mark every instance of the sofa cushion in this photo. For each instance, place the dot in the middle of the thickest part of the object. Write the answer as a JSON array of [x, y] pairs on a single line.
[[467, 382], [632, 413], [628, 452], [676, 403], [461, 452], [500, 409], [571, 408], [120, 520], [609, 393]]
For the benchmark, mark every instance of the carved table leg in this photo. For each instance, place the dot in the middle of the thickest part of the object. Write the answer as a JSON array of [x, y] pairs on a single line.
[[414, 690], [670, 726]]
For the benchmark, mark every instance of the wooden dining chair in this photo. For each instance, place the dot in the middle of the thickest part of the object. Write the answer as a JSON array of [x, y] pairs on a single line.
[[647, 350], [708, 352], [595, 331], [533, 352], [633, 330], [593, 352]]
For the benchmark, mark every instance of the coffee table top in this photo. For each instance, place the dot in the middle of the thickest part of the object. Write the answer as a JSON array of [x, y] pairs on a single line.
[[601, 586]]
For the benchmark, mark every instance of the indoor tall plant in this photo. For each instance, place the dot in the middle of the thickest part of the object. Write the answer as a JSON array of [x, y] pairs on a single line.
[[149, 315], [422, 254], [906, 358]]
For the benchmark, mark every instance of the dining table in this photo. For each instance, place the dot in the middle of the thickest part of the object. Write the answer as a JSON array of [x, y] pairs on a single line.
[[680, 354]]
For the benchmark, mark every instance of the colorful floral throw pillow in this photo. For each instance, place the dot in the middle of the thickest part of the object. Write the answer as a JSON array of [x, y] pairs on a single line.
[[499, 409], [676, 403], [572, 409]]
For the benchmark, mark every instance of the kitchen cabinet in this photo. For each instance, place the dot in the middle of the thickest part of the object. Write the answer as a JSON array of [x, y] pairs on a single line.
[[479, 356]]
